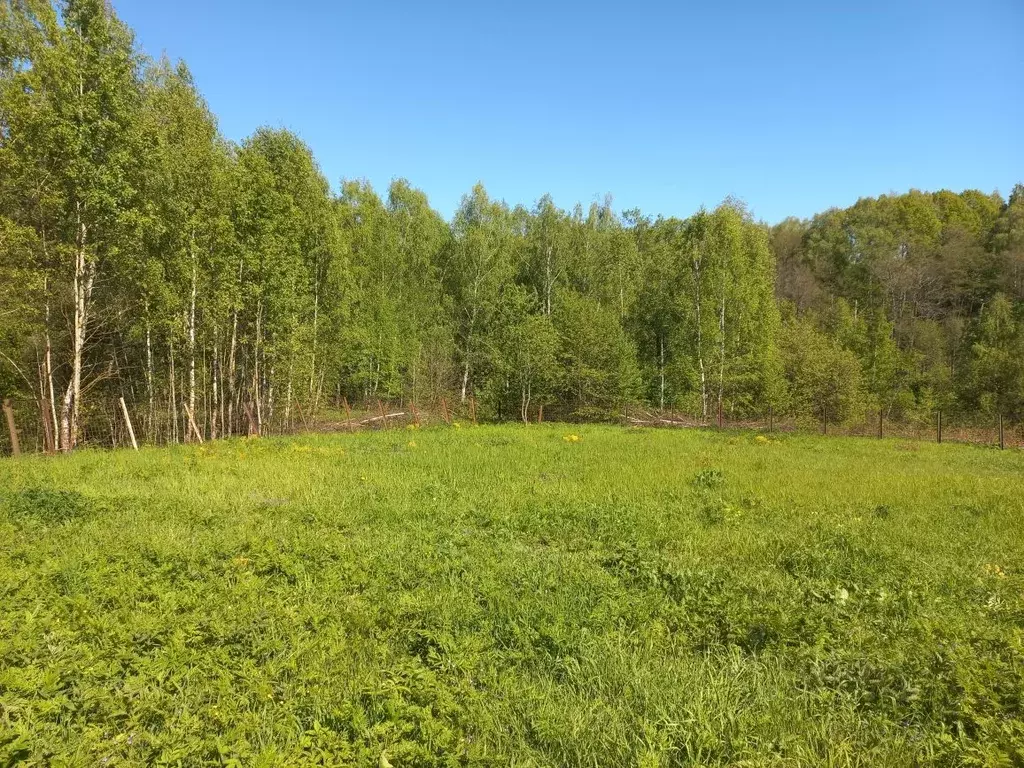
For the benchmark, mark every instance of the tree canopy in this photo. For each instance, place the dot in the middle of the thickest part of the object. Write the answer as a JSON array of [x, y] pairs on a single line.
[[225, 288]]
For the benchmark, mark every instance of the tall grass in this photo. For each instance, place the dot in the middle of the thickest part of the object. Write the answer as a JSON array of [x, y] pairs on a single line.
[[511, 596]]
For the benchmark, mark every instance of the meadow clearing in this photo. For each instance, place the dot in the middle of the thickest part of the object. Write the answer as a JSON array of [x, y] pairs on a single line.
[[515, 596]]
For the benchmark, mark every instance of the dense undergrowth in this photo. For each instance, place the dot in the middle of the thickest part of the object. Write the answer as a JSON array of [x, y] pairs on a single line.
[[508, 596]]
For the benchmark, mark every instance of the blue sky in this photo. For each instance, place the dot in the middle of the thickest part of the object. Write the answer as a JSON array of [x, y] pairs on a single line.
[[793, 106]]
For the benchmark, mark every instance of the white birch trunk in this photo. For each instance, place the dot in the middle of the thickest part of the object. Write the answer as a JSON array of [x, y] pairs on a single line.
[[700, 342], [192, 339], [82, 290]]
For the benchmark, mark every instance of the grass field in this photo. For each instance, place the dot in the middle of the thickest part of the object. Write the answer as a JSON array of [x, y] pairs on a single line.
[[514, 596]]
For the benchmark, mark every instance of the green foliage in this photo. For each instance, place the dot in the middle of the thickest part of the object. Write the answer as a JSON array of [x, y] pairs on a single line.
[[922, 270], [396, 338], [706, 323], [479, 263], [19, 303], [708, 479], [998, 359], [825, 379], [503, 596], [144, 256], [45, 505], [599, 362], [524, 363]]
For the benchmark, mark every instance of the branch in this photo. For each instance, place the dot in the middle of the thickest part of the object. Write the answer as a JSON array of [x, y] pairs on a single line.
[[18, 370], [108, 373], [379, 418]]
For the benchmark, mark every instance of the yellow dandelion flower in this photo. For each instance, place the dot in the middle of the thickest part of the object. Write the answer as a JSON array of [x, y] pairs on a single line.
[[411, 444], [994, 570]]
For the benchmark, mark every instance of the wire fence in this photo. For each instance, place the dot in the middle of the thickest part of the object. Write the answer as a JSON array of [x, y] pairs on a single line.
[[29, 426], [938, 426]]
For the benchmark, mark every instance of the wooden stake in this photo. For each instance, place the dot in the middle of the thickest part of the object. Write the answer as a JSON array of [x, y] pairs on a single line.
[[540, 414], [302, 414], [771, 419], [415, 413], [824, 420], [444, 412], [348, 414], [719, 414], [380, 408], [128, 421], [472, 408], [938, 427], [1002, 444], [881, 414], [9, 411]]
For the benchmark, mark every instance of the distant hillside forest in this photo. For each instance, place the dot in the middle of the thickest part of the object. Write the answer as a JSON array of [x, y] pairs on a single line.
[[143, 255]]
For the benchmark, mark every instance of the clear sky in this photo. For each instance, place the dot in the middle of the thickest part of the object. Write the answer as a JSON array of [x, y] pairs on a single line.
[[793, 106]]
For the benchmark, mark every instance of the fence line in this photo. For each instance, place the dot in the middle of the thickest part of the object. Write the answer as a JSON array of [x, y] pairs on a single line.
[[110, 424], [975, 429]]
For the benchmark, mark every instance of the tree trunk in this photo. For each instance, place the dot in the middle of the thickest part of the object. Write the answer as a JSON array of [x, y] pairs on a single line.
[[527, 393], [257, 392], [270, 396], [234, 396], [82, 290], [149, 378], [721, 346], [468, 347], [548, 281], [661, 366], [174, 395], [316, 316], [48, 372], [700, 342], [319, 393], [231, 373], [215, 403], [288, 400], [204, 386], [192, 340]]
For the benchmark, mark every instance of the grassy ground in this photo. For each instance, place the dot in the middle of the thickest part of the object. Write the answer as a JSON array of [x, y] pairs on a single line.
[[511, 596]]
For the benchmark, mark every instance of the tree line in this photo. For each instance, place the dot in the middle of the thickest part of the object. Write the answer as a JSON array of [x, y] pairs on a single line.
[[144, 256]]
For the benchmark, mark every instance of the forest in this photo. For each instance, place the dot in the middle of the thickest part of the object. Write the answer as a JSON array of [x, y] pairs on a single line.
[[145, 256]]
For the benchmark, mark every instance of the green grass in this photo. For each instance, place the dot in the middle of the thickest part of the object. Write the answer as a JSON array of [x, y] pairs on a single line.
[[505, 596]]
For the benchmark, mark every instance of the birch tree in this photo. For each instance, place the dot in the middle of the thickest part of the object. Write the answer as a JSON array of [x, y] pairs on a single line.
[[71, 116], [480, 262]]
